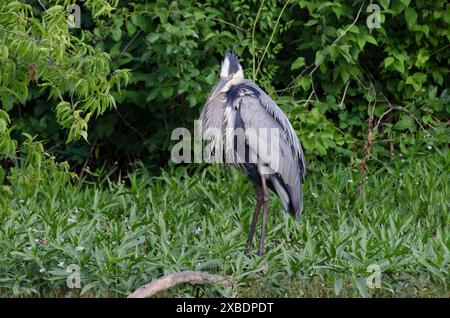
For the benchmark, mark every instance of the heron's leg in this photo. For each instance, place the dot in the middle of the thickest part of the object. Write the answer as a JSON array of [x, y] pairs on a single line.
[[259, 201], [264, 216]]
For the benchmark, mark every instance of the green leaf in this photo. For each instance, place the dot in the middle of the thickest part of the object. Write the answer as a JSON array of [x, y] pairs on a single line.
[[345, 75], [299, 62], [388, 61], [88, 287], [131, 28], [371, 39], [305, 82], [320, 57], [403, 124], [354, 29], [399, 66], [192, 100], [384, 4], [420, 77], [361, 41], [116, 34], [4, 53], [315, 114], [410, 17], [136, 19], [311, 22], [152, 37], [361, 285], [167, 92]]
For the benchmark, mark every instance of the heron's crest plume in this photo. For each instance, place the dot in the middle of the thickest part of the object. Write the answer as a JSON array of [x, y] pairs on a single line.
[[230, 64]]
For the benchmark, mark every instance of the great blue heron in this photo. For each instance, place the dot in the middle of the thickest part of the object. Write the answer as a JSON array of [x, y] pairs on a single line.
[[271, 163]]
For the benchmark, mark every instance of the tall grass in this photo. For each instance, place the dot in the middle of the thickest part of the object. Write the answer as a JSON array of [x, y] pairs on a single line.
[[123, 234]]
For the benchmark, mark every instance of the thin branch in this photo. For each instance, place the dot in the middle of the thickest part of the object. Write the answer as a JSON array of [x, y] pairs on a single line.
[[292, 82], [42, 5], [86, 162], [403, 109], [253, 38], [129, 125], [171, 280], [381, 117], [440, 49], [341, 104], [325, 52], [230, 24], [129, 43], [340, 36], [50, 60], [271, 37], [309, 98]]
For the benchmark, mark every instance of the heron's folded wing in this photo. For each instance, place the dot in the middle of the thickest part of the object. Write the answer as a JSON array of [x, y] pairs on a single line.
[[275, 112], [268, 138], [211, 125]]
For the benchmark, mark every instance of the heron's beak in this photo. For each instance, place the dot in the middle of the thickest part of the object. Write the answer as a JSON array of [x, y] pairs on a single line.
[[218, 89]]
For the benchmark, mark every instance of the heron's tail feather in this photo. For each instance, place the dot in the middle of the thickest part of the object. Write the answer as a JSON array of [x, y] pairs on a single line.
[[291, 196], [296, 196]]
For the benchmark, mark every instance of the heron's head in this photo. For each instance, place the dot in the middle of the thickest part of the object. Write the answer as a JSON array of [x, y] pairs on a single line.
[[231, 73], [231, 70]]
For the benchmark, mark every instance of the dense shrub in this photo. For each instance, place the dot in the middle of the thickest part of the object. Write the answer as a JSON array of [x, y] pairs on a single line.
[[343, 84]]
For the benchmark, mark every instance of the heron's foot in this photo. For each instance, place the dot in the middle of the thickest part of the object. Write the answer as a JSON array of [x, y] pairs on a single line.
[[260, 248], [260, 252], [249, 248]]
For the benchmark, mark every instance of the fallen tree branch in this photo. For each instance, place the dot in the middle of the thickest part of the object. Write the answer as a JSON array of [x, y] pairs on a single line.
[[171, 280]]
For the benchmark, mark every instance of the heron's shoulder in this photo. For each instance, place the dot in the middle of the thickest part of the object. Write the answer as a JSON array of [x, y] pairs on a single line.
[[242, 90], [276, 113]]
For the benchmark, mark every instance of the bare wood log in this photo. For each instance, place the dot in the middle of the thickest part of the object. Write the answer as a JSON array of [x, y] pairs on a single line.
[[171, 280]]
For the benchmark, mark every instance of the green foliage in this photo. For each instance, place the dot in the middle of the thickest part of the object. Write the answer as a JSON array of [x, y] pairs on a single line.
[[124, 234], [356, 72], [138, 69], [333, 75], [40, 57]]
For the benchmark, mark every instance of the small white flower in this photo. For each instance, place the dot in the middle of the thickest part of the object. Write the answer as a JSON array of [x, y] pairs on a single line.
[[79, 248], [36, 240], [350, 181], [429, 147], [21, 201], [61, 264], [198, 231], [42, 270], [72, 219]]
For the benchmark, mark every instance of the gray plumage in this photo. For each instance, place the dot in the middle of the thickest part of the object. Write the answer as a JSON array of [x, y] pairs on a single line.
[[235, 109]]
